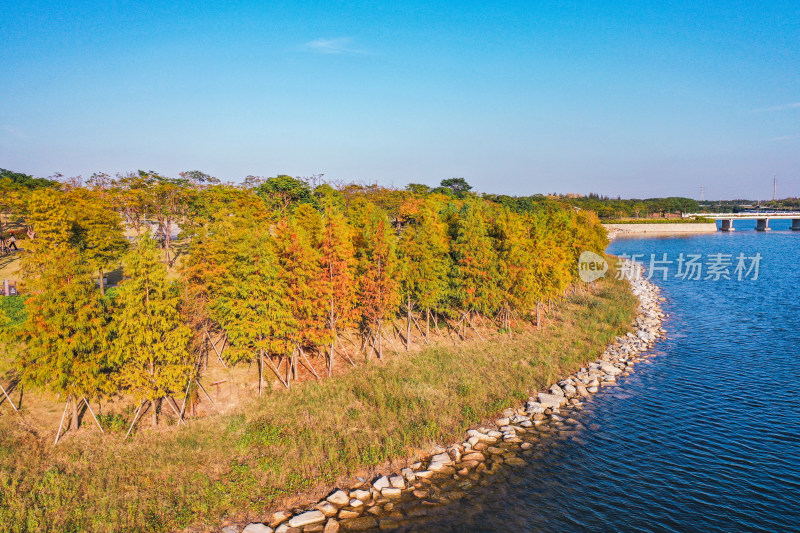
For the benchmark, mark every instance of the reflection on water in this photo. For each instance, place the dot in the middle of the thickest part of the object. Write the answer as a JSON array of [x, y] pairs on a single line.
[[704, 436]]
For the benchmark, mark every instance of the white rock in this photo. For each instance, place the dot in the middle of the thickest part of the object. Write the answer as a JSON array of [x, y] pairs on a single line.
[[257, 528], [534, 408], [391, 492], [550, 400], [308, 518], [397, 482], [355, 502], [361, 494], [439, 461], [339, 498], [327, 508], [381, 483]]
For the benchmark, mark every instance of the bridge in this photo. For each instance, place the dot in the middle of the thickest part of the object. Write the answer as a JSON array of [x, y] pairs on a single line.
[[762, 218]]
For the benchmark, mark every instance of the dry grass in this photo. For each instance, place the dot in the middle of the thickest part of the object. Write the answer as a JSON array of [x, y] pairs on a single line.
[[245, 463]]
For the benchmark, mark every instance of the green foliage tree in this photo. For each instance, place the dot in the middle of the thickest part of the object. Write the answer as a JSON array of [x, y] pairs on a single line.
[[28, 182], [459, 186], [282, 192]]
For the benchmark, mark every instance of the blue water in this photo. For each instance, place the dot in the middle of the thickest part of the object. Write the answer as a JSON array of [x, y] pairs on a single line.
[[703, 436]]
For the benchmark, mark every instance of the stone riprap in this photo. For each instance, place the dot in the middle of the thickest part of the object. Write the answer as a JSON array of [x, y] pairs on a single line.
[[396, 499]]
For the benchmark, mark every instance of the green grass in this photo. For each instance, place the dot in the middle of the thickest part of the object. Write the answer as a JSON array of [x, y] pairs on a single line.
[[239, 466], [693, 220]]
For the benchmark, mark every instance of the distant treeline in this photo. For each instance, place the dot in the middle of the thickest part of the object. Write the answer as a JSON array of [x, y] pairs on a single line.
[[742, 205], [279, 268]]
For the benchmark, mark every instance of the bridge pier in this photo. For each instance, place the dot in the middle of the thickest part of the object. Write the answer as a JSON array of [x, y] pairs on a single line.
[[796, 224], [762, 224], [727, 225]]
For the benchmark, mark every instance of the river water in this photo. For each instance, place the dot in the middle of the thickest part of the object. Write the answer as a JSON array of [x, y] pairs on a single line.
[[703, 436]]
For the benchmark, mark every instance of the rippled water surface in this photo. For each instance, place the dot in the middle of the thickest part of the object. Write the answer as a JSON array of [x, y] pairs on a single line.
[[704, 436]]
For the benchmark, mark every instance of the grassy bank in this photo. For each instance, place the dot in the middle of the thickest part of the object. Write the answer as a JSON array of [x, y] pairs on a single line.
[[242, 465]]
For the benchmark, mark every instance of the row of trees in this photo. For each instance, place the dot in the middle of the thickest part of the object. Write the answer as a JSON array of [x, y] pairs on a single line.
[[605, 207], [276, 273]]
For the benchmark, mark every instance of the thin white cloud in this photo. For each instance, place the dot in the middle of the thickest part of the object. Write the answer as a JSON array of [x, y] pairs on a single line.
[[14, 132], [783, 107], [340, 45]]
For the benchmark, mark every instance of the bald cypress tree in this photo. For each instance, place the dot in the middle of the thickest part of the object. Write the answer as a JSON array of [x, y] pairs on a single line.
[[151, 341], [339, 272], [248, 296], [516, 258], [302, 276], [377, 283], [474, 263], [424, 262], [64, 338]]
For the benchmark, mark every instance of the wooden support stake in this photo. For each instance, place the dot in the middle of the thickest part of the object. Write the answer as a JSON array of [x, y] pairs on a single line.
[[276, 371], [394, 348], [307, 362], [135, 418], [61, 424], [219, 355], [93, 415], [424, 336], [344, 351], [186, 396], [171, 403], [206, 393], [14, 407], [469, 319]]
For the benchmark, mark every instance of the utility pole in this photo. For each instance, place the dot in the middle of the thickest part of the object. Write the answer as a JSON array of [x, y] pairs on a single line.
[[774, 188], [702, 193]]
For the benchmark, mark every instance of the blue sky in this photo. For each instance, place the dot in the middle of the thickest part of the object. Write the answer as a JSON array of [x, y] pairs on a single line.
[[621, 98]]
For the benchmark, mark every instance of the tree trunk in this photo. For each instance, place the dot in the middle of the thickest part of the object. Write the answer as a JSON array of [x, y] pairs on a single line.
[[100, 282], [74, 402], [408, 324], [333, 338], [427, 323], [167, 240], [260, 370], [154, 414]]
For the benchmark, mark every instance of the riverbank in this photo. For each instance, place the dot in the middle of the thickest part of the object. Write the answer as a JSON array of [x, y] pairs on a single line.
[[405, 497], [320, 435], [615, 230]]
